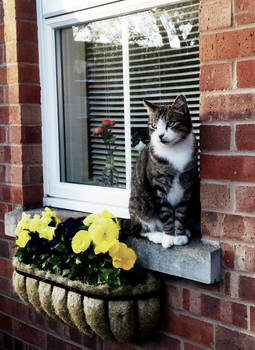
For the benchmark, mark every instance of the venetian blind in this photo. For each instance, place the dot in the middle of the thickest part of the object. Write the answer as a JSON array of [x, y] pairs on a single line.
[[163, 62]]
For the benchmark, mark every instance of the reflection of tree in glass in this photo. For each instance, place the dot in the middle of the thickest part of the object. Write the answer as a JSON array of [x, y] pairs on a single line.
[[101, 32]]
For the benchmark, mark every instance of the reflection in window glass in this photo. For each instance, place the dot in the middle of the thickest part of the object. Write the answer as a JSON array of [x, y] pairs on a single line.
[[162, 62]]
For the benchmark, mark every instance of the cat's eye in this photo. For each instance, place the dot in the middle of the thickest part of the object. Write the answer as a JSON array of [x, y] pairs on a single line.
[[171, 124], [153, 125]]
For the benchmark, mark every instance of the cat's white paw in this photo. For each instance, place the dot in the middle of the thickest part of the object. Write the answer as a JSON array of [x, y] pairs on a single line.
[[155, 237], [180, 240], [167, 241]]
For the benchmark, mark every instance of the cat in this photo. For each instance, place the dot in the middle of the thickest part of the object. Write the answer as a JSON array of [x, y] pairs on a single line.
[[139, 138], [165, 182]]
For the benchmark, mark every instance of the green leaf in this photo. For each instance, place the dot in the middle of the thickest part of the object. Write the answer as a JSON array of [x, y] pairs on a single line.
[[65, 272]]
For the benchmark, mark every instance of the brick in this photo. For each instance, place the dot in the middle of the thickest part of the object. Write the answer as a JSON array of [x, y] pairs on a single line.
[[245, 199], [6, 268], [3, 210], [28, 73], [192, 301], [6, 286], [29, 334], [15, 174], [16, 194], [4, 248], [173, 296], [2, 134], [33, 194], [245, 258], [3, 75], [159, 342], [227, 107], [216, 77], [26, 10], [13, 308], [228, 255], [244, 11], [239, 228], [245, 137], [23, 94], [246, 288], [4, 114], [32, 154], [5, 193], [21, 52], [31, 114], [232, 284], [252, 318], [215, 137], [186, 327], [211, 224], [246, 74], [2, 173], [4, 154], [191, 347], [213, 196], [225, 45], [16, 154], [32, 175], [26, 31], [6, 323], [25, 134], [227, 339], [234, 168], [215, 15], [2, 95], [215, 308]]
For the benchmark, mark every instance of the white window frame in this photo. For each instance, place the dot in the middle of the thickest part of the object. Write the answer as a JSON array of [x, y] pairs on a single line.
[[67, 195]]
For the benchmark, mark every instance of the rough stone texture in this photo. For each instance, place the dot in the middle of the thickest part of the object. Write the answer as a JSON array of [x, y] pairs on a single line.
[[198, 261]]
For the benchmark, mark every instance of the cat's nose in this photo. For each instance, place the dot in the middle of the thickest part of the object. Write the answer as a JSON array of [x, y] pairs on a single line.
[[161, 136]]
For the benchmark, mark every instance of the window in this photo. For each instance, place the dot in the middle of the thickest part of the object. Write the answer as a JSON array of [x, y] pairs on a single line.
[[102, 63]]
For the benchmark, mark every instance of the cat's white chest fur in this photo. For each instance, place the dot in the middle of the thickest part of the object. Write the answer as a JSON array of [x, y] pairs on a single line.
[[176, 192], [178, 155]]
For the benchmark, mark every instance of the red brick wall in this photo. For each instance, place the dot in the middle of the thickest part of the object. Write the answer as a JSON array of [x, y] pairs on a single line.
[[196, 316]]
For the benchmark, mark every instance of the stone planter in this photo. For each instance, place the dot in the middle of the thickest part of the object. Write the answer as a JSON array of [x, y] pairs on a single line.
[[125, 314]]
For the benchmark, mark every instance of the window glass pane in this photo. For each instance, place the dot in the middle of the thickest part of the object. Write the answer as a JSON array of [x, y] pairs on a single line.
[[92, 84], [163, 62]]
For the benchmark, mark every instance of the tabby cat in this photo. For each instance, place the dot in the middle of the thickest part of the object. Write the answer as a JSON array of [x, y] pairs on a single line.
[[165, 179]]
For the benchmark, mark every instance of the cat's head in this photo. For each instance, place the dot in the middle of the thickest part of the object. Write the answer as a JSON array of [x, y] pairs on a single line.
[[169, 124]]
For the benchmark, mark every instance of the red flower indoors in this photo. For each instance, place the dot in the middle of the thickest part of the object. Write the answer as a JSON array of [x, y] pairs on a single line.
[[106, 122], [99, 130]]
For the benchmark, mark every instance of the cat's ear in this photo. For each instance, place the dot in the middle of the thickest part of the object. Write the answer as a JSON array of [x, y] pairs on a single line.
[[150, 106], [180, 104]]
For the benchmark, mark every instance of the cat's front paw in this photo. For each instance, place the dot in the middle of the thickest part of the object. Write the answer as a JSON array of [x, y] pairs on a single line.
[[180, 240], [167, 241]]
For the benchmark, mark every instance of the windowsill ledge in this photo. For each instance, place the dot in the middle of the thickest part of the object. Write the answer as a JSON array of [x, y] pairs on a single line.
[[199, 261]]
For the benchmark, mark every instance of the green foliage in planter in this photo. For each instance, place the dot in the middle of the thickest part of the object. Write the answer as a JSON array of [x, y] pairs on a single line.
[[79, 249]]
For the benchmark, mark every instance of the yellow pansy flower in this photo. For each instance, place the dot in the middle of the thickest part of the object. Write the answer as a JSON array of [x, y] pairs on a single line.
[[124, 257], [105, 246], [91, 218], [81, 241], [48, 213], [24, 223], [107, 214], [23, 238], [103, 229], [47, 232]]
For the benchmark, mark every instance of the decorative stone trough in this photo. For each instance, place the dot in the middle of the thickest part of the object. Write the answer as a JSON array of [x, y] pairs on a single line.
[[125, 314]]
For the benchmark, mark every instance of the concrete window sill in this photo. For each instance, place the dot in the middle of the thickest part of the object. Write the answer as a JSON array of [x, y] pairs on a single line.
[[199, 261]]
